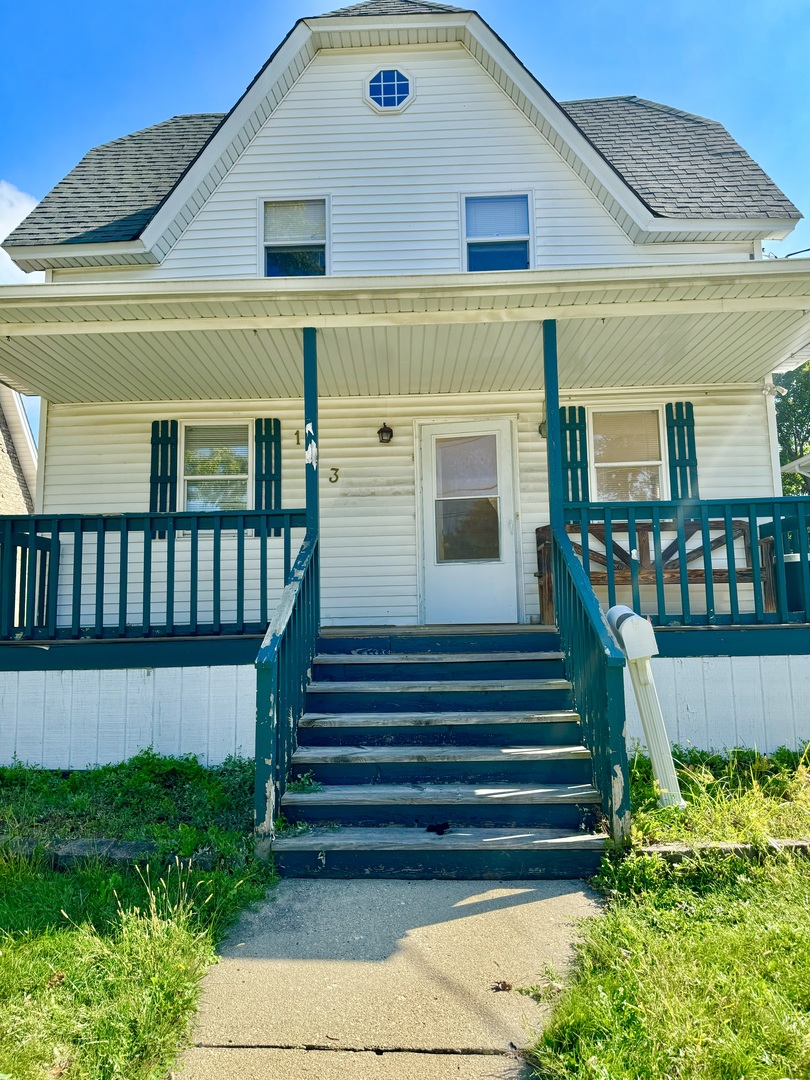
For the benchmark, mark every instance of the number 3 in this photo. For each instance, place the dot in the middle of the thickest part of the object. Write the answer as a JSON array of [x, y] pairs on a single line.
[[333, 479]]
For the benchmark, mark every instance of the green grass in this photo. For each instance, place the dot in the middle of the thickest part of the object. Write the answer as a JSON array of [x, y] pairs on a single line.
[[100, 968], [741, 797], [695, 972], [174, 801]]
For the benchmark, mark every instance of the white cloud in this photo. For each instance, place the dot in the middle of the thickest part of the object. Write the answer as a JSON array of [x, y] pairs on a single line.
[[14, 206]]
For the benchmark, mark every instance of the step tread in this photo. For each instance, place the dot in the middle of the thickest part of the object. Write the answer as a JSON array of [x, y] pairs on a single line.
[[443, 794], [442, 719], [449, 629], [432, 686], [325, 755], [434, 657], [404, 838]]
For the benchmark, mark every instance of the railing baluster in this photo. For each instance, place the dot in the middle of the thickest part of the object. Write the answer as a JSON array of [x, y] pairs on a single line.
[[7, 575], [708, 579], [756, 569], [731, 560], [217, 575], [658, 563], [263, 569], [98, 625], [146, 619], [170, 573], [78, 573], [123, 576], [30, 593], [287, 542], [779, 563], [610, 568], [635, 556], [53, 580], [683, 569], [240, 575], [194, 574]]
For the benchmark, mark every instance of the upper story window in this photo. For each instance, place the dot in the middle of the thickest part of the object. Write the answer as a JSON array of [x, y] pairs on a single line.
[[627, 456], [295, 238], [390, 90], [497, 229], [216, 466]]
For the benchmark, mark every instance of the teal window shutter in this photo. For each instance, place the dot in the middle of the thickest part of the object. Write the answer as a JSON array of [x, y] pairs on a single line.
[[574, 445], [683, 476], [267, 465], [163, 476]]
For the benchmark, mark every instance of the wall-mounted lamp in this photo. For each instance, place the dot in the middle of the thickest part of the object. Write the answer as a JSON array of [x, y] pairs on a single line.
[[385, 433], [542, 429]]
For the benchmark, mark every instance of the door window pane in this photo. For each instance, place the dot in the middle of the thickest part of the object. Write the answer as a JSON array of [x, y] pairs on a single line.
[[467, 530], [466, 465]]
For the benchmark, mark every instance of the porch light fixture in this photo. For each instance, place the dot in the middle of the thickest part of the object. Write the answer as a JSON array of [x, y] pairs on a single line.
[[385, 434]]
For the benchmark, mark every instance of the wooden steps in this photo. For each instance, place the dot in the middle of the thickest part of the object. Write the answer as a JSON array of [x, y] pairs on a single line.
[[468, 730]]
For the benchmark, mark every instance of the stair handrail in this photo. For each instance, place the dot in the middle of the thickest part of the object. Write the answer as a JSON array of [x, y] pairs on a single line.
[[283, 668], [595, 665]]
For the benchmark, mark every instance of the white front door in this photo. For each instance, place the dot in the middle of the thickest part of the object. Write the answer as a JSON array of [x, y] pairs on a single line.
[[468, 515]]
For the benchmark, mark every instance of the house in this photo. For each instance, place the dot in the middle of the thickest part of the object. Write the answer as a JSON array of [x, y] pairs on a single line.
[[359, 401], [18, 456]]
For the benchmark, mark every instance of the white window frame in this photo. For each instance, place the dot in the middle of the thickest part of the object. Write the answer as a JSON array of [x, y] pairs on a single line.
[[528, 193], [389, 110], [300, 197], [231, 421], [662, 442]]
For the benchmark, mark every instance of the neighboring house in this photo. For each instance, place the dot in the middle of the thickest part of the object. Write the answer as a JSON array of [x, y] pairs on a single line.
[[408, 339], [18, 456]]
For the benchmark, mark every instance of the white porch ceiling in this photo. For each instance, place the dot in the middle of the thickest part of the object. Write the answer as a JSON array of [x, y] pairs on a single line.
[[383, 336]]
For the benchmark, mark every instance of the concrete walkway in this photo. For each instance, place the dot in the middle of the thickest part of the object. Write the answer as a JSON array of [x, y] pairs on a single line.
[[384, 980]]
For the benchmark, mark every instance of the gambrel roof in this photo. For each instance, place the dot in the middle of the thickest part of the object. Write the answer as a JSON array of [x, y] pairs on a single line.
[[116, 189], [681, 165], [662, 173], [393, 7]]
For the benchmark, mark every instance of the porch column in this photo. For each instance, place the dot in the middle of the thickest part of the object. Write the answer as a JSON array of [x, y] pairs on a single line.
[[554, 437], [311, 427]]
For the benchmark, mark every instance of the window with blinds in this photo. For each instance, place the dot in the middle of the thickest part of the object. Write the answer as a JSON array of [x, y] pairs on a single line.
[[216, 466], [627, 456], [497, 232], [295, 238]]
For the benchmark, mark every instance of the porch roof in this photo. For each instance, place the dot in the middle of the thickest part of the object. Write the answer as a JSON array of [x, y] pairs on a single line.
[[639, 326]]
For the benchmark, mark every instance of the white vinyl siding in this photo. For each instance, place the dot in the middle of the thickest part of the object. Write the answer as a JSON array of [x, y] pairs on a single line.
[[98, 459], [395, 180]]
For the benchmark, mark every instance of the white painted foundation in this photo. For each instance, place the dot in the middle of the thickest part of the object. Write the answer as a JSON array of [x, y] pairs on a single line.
[[72, 719], [720, 702]]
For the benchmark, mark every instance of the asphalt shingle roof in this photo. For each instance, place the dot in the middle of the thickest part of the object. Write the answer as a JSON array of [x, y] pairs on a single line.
[[681, 165], [115, 190], [393, 7]]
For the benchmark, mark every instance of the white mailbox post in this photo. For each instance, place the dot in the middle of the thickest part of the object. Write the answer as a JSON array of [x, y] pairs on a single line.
[[637, 639]]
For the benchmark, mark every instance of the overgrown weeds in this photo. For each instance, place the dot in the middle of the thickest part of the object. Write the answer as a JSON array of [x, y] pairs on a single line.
[[699, 971], [741, 796], [175, 801]]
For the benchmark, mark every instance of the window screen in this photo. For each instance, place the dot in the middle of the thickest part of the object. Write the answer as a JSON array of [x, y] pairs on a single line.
[[627, 455], [295, 238], [497, 232], [216, 464]]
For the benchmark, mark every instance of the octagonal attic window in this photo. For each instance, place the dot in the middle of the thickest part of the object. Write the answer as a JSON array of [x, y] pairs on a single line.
[[390, 90]]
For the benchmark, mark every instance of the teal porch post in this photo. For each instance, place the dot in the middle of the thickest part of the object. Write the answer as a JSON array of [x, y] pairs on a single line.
[[554, 435], [311, 426], [311, 450]]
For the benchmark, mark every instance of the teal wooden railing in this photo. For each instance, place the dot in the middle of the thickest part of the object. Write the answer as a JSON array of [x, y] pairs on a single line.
[[595, 666], [708, 562], [144, 575], [283, 667]]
